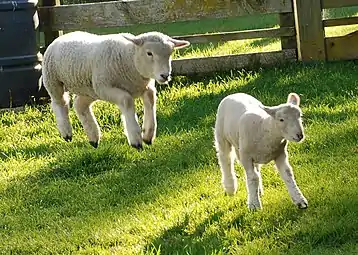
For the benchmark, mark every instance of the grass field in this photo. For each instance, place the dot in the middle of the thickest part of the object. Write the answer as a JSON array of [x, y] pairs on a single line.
[[68, 198]]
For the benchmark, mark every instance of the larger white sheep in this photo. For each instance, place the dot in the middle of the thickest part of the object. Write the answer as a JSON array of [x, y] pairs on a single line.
[[115, 68], [257, 134]]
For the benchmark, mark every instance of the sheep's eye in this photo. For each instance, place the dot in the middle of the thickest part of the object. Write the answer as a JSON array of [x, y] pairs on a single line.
[[149, 54], [281, 120]]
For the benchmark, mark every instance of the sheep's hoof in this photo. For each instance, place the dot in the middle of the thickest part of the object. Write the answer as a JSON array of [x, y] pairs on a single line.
[[68, 138], [149, 142], [138, 146], [254, 206], [302, 205], [94, 144]]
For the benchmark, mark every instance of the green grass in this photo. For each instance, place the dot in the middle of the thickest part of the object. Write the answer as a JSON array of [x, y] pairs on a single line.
[[59, 197], [68, 198]]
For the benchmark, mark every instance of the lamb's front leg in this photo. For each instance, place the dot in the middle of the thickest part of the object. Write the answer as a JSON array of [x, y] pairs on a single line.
[[149, 118], [125, 102], [287, 175], [252, 182]]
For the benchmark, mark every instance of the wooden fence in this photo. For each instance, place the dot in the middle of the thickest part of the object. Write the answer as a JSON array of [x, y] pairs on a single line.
[[301, 29]]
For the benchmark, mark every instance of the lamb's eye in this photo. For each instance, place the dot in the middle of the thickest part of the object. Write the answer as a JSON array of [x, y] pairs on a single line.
[[281, 120], [149, 53]]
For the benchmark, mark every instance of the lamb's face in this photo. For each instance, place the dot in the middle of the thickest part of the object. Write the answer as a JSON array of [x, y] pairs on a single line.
[[156, 57], [289, 120], [153, 54]]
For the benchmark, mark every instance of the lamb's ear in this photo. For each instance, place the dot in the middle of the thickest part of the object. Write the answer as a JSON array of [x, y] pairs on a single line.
[[178, 44], [293, 98], [134, 39], [270, 110]]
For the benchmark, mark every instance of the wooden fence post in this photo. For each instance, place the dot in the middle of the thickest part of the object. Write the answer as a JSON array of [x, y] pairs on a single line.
[[49, 34], [288, 20], [309, 30]]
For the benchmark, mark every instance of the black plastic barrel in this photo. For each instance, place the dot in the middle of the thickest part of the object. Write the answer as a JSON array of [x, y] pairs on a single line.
[[20, 67]]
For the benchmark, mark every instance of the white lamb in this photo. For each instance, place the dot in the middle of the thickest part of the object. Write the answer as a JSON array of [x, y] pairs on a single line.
[[258, 134], [115, 68]]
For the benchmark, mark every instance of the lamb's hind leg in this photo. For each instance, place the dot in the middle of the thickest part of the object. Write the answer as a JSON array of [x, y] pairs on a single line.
[[60, 106], [226, 162], [83, 108], [261, 187]]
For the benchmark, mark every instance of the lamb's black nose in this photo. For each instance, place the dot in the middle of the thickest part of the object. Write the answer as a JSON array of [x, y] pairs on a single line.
[[300, 136], [165, 76]]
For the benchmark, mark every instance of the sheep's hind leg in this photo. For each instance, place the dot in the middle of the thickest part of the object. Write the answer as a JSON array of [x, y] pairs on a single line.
[[83, 108], [60, 105], [149, 118], [226, 162], [261, 187]]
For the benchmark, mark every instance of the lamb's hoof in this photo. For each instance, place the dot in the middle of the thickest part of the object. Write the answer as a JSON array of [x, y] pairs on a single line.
[[302, 204], [254, 206], [138, 146], [149, 142], [68, 138], [94, 144]]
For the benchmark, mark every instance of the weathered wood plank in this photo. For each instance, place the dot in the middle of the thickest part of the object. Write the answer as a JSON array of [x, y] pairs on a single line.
[[338, 3], [239, 35], [49, 33], [310, 31], [340, 22], [342, 47], [131, 12], [288, 20], [194, 66]]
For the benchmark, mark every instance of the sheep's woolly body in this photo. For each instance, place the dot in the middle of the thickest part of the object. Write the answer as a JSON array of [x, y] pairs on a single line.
[[245, 124], [84, 56], [115, 68], [245, 127]]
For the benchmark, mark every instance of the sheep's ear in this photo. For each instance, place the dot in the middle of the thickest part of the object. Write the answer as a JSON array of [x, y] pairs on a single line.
[[134, 39], [270, 110], [293, 98], [178, 44]]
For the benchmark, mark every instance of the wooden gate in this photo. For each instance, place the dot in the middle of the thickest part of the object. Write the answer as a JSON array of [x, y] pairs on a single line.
[[312, 42]]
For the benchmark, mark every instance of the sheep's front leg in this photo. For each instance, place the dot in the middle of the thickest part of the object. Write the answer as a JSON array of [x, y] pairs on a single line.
[[287, 175], [252, 182], [82, 105], [125, 103], [149, 118]]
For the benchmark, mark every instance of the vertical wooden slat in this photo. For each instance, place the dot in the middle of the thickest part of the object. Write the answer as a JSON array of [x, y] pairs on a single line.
[[48, 18], [309, 29], [287, 20]]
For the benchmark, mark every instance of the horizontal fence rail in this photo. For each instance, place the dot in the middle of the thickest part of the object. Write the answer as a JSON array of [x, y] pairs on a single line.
[[239, 35], [132, 12], [342, 47], [326, 4], [228, 62], [340, 21]]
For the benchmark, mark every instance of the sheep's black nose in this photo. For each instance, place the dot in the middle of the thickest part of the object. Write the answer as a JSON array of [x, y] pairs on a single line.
[[300, 136], [165, 76]]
